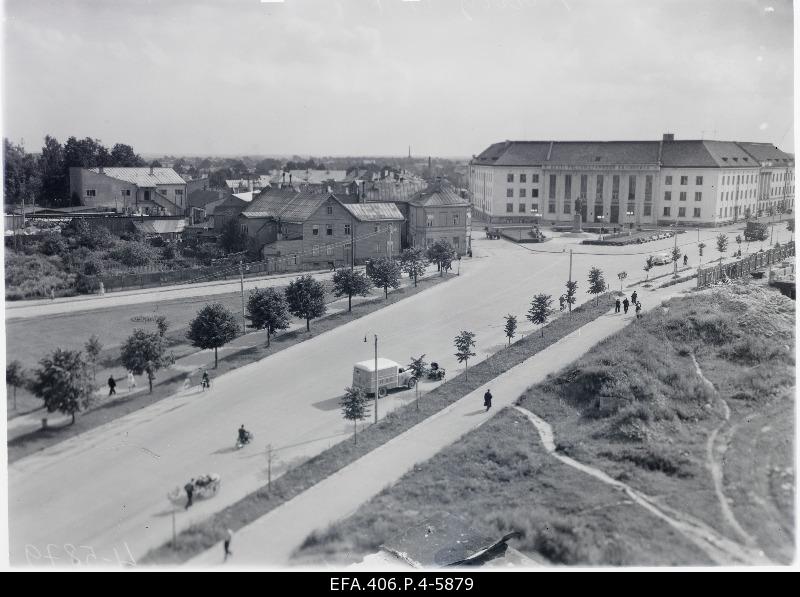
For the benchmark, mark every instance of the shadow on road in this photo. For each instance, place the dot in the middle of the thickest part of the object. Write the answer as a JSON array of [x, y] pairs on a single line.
[[329, 404], [475, 412], [228, 450]]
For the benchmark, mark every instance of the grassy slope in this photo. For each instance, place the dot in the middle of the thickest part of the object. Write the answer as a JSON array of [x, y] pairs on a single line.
[[634, 407]]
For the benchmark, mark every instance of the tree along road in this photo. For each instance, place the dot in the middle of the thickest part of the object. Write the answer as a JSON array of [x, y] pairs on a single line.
[[106, 489]]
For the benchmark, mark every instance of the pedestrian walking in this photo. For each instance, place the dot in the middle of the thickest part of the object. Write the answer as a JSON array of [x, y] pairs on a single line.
[[617, 306], [634, 297], [228, 539], [638, 310], [189, 489], [625, 304], [487, 400], [131, 381], [52, 293], [205, 382], [111, 385], [685, 260]]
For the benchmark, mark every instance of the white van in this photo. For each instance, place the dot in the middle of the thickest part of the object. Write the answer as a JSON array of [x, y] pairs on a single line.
[[390, 376]]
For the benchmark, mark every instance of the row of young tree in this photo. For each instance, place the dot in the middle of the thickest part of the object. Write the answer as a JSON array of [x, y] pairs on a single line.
[[355, 403], [62, 379]]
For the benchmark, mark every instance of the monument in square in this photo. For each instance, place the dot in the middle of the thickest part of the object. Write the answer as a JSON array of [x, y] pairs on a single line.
[[577, 219]]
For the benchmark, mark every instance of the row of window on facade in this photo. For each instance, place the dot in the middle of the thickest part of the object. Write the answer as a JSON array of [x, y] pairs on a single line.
[[698, 180], [91, 193], [329, 230], [523, 178], [684, 180], [698, 196], [681, 212], [599, 187], [551, 208], [442, 220]]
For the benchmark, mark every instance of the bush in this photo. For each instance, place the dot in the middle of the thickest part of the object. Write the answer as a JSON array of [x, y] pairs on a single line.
[[87, 284], [169, 252], [33, 276], [53, 244], [134, 254], [91, 236], [560, 543]]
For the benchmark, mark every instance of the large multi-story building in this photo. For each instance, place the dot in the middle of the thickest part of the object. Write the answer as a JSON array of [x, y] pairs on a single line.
[[147, 190], [703, 183]]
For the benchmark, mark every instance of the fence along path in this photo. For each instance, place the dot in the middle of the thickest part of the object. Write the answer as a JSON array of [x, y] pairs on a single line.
[[744, 266]]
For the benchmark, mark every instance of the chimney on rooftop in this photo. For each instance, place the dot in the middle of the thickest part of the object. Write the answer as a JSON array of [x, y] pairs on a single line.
[[101, 169], [668, 137], [151, 169]]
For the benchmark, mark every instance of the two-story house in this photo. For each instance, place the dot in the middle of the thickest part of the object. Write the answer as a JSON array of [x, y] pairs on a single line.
[[146, 190], [309, 230], [439, 212]]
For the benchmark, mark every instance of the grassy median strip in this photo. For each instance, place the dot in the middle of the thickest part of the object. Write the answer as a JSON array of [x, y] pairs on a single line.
[[206, 534], [637, 408], [172, 381]]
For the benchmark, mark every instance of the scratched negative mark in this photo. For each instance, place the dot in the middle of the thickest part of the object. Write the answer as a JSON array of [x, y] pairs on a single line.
[[142, 448]]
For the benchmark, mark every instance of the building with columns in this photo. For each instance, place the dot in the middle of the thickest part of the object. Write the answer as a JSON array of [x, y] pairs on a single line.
[[647, 183]]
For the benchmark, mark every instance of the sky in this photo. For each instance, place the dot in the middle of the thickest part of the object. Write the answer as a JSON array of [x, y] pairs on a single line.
[[373, 77]]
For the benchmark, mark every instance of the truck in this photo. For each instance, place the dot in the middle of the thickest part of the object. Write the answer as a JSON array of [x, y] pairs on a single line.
[[390, 376], [662, 259]]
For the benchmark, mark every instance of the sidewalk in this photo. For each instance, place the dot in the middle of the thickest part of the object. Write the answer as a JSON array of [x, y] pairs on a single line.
[[85, 302], [271, 540], [191, 363]]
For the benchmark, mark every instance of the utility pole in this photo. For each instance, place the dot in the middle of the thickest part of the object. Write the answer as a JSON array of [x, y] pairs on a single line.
[[569, 304], [376, 378], [269, 466], [241, 281]]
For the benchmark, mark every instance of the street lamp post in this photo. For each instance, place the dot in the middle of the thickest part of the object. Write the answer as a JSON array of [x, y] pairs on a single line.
[[376, 376], [630, 224], [241, 281]]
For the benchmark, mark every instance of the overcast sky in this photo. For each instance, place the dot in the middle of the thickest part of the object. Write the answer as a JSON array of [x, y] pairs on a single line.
[[358, 77]]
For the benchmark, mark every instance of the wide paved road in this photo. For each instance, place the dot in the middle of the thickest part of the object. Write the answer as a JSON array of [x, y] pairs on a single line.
[[106, 489]]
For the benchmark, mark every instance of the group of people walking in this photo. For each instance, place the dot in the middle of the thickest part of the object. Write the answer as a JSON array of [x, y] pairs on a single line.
[[112, 384], [626, 304]]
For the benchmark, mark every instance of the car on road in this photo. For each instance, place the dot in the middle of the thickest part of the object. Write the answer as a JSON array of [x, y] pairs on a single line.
[[390, 376], [662, 259]]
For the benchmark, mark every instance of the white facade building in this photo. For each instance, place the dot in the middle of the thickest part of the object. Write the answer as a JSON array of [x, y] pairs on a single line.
[[703, 183]]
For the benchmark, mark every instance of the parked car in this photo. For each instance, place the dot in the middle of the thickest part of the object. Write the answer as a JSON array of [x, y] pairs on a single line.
[[662, 259], [390, 376]]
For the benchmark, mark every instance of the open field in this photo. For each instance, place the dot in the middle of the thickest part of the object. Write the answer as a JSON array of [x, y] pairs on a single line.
[[691, 409]]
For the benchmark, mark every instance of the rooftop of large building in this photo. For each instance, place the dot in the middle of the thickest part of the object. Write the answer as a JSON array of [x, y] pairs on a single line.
[[142, 177], [287, 204], [668, 153]]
